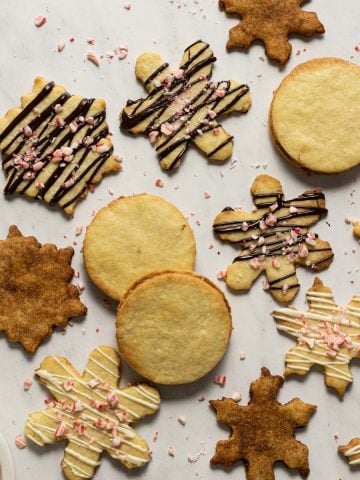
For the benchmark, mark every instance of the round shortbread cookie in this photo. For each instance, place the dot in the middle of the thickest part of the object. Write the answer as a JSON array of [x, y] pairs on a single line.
[[173, 327], [134, 236], [315, 115]]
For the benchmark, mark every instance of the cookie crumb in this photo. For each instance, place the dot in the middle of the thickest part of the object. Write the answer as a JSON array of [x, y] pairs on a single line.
[[27, 384], [182, 420]]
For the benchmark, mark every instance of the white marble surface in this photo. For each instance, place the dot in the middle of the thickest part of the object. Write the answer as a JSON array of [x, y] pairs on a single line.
[[160, 25]]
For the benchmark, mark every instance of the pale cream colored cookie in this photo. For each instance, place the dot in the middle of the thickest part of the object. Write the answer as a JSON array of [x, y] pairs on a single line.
[[173, 327], [327, 335], [92, 414], [274, 238], [55, 145], [183, 106], [134, 236], [315, 115]]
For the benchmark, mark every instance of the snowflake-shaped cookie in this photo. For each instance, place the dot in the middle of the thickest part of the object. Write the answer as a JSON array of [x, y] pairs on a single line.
[[270, 21], [55, 146], [327, 335], [92, 414], [274, 238], [35, 290], [183, 106], [262, 432]]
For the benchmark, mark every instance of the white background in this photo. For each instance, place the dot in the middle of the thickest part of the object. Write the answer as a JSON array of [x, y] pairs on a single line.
[[159, 25]]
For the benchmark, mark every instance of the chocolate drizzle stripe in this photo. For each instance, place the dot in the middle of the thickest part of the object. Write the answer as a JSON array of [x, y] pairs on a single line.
[[156, 73]]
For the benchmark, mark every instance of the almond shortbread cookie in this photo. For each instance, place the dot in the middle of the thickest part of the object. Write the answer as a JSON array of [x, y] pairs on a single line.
[[55, 145], [315, 115], [173, 327], [183, 106], [134, 236], [274, 238], [92, 414], [327, 335]]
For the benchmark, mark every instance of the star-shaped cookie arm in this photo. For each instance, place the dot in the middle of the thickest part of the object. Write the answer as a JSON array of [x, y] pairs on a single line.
[[133, 451], [80, 459], [217, 143], [103, 365], [282, 279], [40, 427], [240, 275], [351, 451], [239, 37], [228, 412], [338, 376], [278, 49], [151, 70], [309, 23], [298, 411], [197, 62], [320, 298], [319, 257], [139, 401]]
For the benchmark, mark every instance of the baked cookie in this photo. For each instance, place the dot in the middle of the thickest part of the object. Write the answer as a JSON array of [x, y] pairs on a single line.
[[55, 145], [173, 327], [315, 115], [183, 106], [351, 451], [134, 236], [262, 432], [92, 414], [356, 230], [274, 238], [271, 21], [35, 290], [326, 336]]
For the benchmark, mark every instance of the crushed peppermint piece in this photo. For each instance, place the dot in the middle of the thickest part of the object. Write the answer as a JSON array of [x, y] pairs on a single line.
[[220, 379], [202, 398], [182, 420], [221, 275], [27, 384], [207, 195], [116, 442], [94, 382], [61, 430], [78, 230], [68, 385], [242, 355], [236, 396], [20, 441], [171, 452], [92, 57], [159, 183], [123, 52], [127, 6], [40, 20]]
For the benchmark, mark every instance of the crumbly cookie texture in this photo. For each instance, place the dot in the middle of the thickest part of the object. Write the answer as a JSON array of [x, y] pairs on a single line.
[[35, 290], [274, 238], [134, 236], [92, 414], [183, 106], [173, 327], [271, 21], [262, 432], [351, 451], [55, 145], [315, 115], [327, 335]]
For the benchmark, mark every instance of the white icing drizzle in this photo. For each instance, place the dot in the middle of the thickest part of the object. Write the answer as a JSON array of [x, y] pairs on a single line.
[[326, 335], [45, 431]]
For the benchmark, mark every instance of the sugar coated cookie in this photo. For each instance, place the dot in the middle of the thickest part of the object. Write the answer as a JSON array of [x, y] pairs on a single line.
[[55, 145], [262, 432], [315, 115], [183, 106], [173, 327], [271, 21], [35, 290], [92, 414], [134, 236]]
